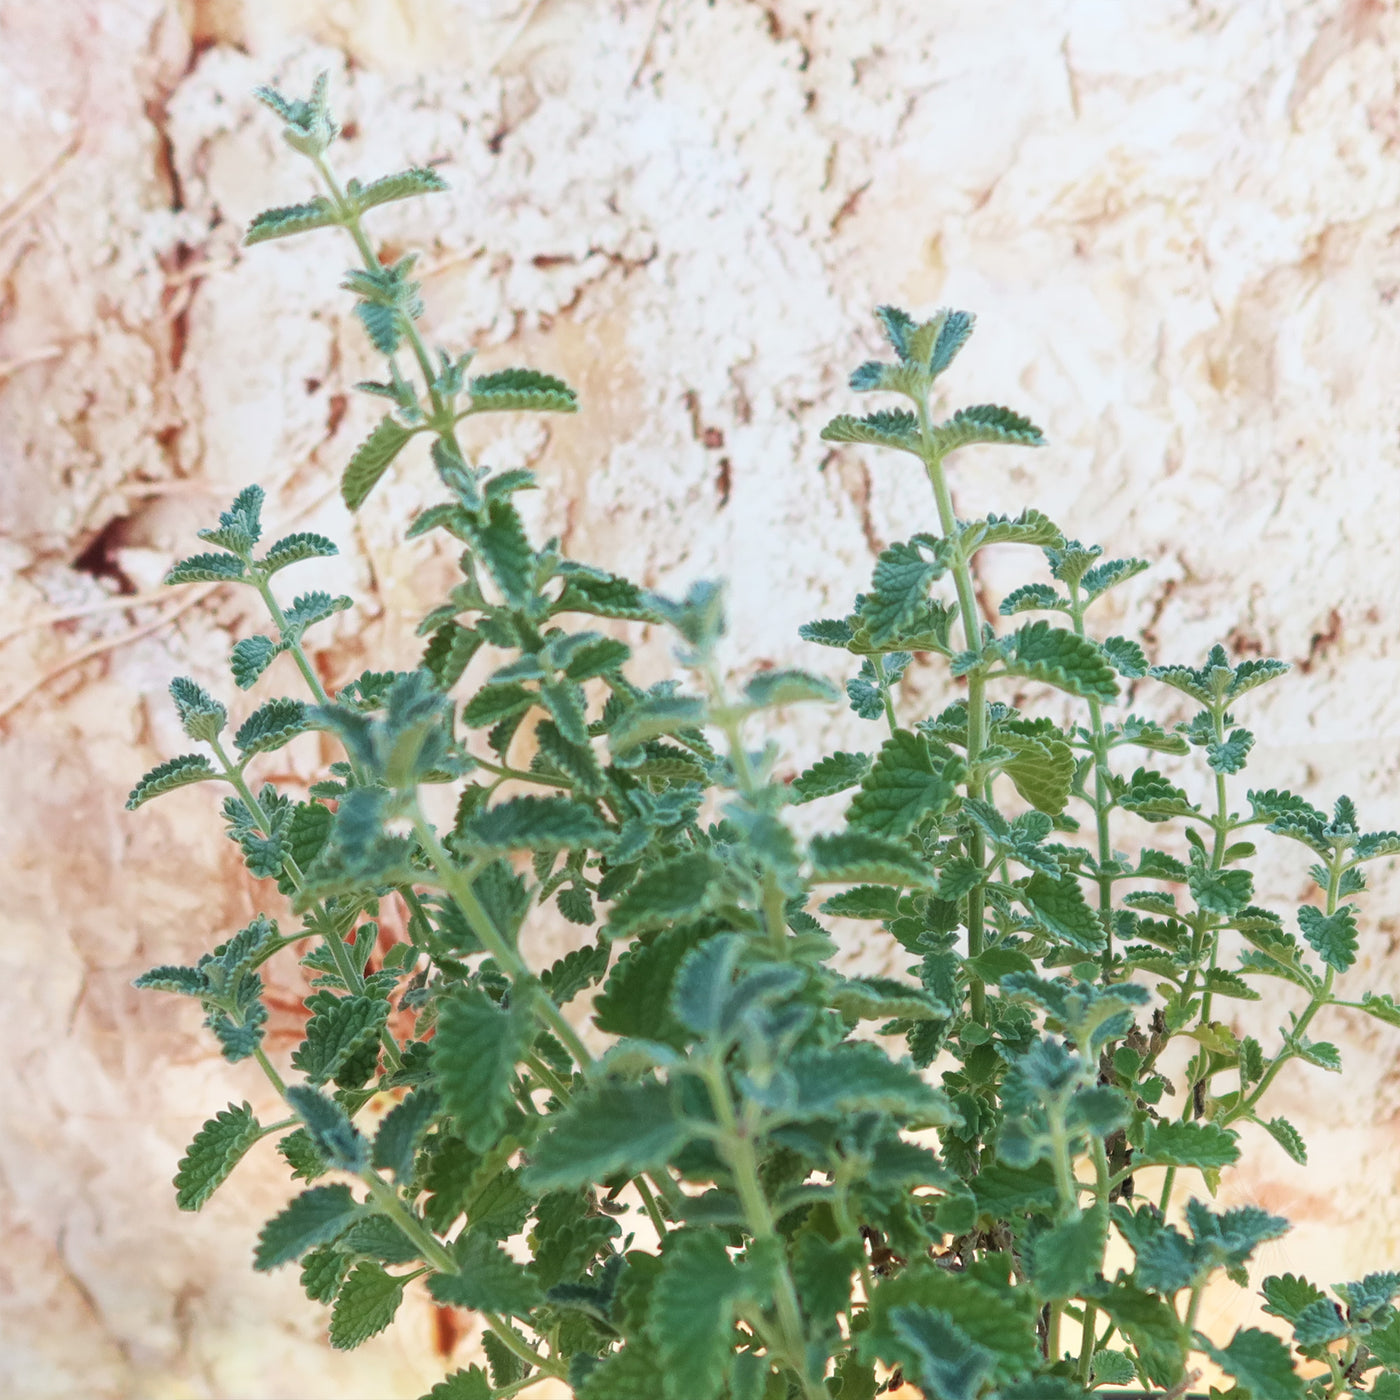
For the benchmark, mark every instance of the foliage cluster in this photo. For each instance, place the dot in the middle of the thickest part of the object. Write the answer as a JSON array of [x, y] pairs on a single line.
[[778, 1180]]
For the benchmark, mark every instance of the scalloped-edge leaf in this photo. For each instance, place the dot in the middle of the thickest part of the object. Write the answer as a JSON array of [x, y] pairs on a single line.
[[897, 428], [987, 422], [292, 549], [835, 773], [185, 981], [166, 777], [315, 1217], [251, 657], [1206, 1146], [403, 184], [679, 888], [533, 824], [208, 568], [1031, 597], [273, 724], [515, 389], [1058, 657], [213, 1153], [289, 219], [364, 1306], [858, 857], [1288, 1137], [371, 461], [471, 1384]]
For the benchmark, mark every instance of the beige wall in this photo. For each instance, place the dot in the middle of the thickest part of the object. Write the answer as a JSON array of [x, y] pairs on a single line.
[[1178, 224]]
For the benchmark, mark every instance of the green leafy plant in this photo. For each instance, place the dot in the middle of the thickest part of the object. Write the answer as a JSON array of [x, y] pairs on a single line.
[[776, 1180]]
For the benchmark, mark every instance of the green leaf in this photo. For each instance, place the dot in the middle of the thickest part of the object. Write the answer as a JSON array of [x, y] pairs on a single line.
[[984, 423], [339, 1028], [1042, 770], [609, 1129], [271, 725], [201, 716], [365, 1306], [335, 1137], [300, 1154], [835, 773], [1382, 1006], [1259, 1362], [475, 1052], [628, 1374], [864, 902], [1127, 657], [503, 547], [653, 717], [897, 428], [512, 389], [769, 689], [884, 999], [906, 784], [1288, 1137], [1030, 527], [1098, 580], [251, 657], [217, 1148], [371, 461], [1332, 938], [186, 981], [1058, 657], [1230, 756], [900, 589], [861, 858], [947, 1362], [690, 1321], [291, 218], [208, 568], [1220, 891], [859, 1077], [292, 549], [678, 888], [1193, 1143], [166, 777], [533, 824], [471, 1384], [1031, 597], [1065, 1258], [322, 1273], [488, 1280], [1059, 907], [402, 185], [315, 1217]]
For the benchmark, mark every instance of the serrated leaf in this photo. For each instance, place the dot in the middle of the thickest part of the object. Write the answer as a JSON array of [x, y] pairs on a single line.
[[402, 185], [208, 568], [1332, 938], [488, 1280], [691, 1315], [1127, 657], [1030, 597], [292, 549], [884, 999], [166, 777], [271, 725], [858, 857], [1220, 891], [512, 389], [315, 1217], [532, 823], [1206, 1146], [608, 1129], [1288, 1137], [946, 1362], [1042, 770], [371, 460], [471, 1384], [217, 1148], [289, 219], [300, 1154], [679, 888], [897, 428], [1382, 1006], [1030, 527], [186, 981], [1058, 657], [328, 1125], [984, 423], [859, 1077], [322, 1273], [1065, 1258], [339, 1028], [769, 689], [905, 784], [475, 1052], [574, 972], [1259, 1362], [653, 717], [251, 657], [201, 716], [1059, 906], [364, 1306], [899, 589], [501, 544]]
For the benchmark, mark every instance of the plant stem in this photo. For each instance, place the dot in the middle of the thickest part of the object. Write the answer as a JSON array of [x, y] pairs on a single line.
[[976, 694]]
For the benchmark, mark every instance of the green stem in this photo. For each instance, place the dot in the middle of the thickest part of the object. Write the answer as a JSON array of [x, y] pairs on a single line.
[[457, 883], [976, 693], [273, 1077], [649, 1205], [736, 1145], [877, 663]]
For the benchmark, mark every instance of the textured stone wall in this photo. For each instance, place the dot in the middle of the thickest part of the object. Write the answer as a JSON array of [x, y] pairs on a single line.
[[1178, 224]]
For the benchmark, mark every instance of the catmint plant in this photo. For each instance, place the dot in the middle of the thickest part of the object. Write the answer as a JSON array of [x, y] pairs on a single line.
[[777, 1181]]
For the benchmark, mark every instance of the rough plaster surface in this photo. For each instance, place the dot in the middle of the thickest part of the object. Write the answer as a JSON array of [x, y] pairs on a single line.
[[1178, 224]]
